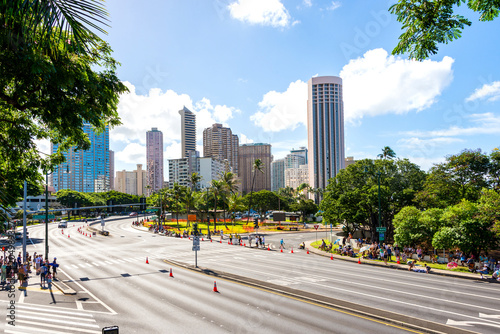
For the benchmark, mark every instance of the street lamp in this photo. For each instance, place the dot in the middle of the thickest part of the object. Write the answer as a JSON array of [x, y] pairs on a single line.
[[47, 215]]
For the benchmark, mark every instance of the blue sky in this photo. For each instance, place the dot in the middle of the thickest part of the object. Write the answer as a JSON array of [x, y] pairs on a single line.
[[246, 63]]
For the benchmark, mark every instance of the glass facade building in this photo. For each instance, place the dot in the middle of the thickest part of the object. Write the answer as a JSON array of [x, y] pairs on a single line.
[[85, 170]]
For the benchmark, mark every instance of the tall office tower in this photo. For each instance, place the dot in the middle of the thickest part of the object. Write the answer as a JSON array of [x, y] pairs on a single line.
[[247, 154], [133, 183], [277, 174], [154, 160], [188, 131], [220, 143], [325, 129], [111, 170], [84, 170]]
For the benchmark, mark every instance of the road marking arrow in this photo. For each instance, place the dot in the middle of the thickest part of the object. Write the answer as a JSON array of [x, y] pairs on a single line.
[[470, 323], [489, 316]]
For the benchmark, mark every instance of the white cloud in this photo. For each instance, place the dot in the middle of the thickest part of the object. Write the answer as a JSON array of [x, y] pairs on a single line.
[[414, 142], [307, 3], [286, 110], [378, 84], [488, 91], [487, 123], [133, 153], [334, 5], [245, 140], [140, 113], [265, 12]]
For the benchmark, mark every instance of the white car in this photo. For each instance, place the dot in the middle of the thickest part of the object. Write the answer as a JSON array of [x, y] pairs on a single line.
[[63, 224]]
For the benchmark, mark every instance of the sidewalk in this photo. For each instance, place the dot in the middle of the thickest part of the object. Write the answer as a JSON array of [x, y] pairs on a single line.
[[392, 265]]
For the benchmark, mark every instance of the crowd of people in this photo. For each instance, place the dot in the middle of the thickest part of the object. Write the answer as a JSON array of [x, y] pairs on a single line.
[[15, 269]]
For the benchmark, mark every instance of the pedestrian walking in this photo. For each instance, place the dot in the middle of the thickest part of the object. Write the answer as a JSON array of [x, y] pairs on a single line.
[[54, 266], [282, 244], [49, 281]]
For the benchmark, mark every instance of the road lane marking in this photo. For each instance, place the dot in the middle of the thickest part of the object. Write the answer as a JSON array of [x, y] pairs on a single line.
[[37, 324]]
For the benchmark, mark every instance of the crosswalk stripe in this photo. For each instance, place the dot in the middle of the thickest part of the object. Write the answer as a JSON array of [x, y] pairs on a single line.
[[15, 332], [48, 316], [40, 330], [96, 264], [56, 320], [51, 310], [80, 330]]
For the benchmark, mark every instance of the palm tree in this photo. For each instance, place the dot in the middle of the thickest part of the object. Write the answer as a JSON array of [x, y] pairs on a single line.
[[177, 194], [230, 183], [387, 153], [300, 191], [189, 200], [234, 204], [217, 187], [195, 179], [49, 25], [258, 166]]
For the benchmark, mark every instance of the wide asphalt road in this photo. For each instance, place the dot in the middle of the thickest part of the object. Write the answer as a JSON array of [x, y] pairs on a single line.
[[115, 286]]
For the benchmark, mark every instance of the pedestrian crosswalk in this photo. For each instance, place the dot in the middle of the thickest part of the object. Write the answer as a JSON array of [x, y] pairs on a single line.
[[112, 261], [45, 319]]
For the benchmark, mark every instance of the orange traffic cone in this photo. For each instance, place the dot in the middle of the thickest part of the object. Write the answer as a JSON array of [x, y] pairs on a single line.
[[202, 239], [308, 251], [68, 235], [244, 244], [220, 241], [331, 257], [398, 261], [281, 250], [171, 275], [210, 240], [268, 248], [147, 261], [359, 261], [90, 235], [215, 287], [228, 242], [291, 250]]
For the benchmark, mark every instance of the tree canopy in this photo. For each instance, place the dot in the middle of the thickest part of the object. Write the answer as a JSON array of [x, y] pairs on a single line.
[[55, 75], [428, 23]]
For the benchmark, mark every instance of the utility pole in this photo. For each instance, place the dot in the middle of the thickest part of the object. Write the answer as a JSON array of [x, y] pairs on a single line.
[[24, 221]]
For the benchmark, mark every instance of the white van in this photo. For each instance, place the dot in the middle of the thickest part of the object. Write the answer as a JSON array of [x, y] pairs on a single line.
[[63, 224]]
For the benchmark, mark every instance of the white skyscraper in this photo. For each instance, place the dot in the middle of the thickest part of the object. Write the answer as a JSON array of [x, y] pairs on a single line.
[[154, 159], [325, 129]]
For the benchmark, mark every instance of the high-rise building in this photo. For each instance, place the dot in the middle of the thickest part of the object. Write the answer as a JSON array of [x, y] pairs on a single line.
[[111, 170], [301, 151], [325, 129], [132, 182], [84, 170], [220, 143], [211, 169], [180, 170], [277, 174], [349, 161], [294, 177], [247, 154], [188, 131], [154, 160]]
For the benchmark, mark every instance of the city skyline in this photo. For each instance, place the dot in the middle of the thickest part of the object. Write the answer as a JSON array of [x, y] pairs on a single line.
[[249, 71]]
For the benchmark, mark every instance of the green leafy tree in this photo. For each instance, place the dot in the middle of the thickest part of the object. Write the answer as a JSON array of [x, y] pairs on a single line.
[[352, 200], [217, 187], [461, 176], [428, 23], [466, 228], [305, 207], [195, 179], [263, 201], [175, 203], [56, 75]]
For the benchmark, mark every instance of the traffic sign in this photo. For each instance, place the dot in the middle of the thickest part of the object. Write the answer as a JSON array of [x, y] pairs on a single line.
[[196, 247], [151, 210], [381, 229], [196, 241], [43, 217], [381, 236], [316, 226]]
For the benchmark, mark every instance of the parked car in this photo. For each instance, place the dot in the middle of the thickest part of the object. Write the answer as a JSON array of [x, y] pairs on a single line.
[[63, 224], [133, 214]]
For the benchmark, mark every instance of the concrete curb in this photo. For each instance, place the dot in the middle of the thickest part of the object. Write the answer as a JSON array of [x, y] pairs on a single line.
[[397, 319], [392, 265], [63, 287]]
